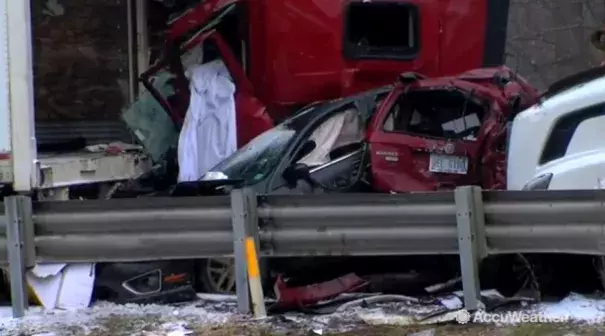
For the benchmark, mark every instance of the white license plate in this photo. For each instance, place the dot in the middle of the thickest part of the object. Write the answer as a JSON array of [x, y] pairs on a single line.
[[448, 164]]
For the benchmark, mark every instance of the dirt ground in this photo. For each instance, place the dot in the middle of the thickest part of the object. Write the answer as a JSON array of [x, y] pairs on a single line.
[[444, 330], [126, 327]]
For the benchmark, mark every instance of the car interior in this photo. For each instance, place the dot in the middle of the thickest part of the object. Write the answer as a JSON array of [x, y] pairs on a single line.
[[333, 151], [334, 137], [437, 114]]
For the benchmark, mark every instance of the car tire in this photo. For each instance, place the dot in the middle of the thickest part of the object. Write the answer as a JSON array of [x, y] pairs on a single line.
[[217, 275]]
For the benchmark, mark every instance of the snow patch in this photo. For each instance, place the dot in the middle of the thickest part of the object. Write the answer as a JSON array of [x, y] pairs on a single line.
[[168, 320], [575, 307]]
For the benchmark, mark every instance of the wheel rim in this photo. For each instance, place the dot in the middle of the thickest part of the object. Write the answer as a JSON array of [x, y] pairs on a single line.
[[221, 275]]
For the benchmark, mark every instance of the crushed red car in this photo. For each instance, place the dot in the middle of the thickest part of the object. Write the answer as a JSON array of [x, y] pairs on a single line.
[[439, 133]]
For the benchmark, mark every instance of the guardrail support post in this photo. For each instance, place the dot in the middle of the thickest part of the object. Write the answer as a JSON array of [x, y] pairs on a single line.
[[20, 248], [470, 219], [246, 250]]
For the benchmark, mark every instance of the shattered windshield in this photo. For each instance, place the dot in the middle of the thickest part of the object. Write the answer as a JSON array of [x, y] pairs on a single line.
[[257, 159], [253, 162]]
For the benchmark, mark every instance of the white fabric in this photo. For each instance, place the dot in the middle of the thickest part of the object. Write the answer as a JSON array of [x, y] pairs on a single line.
[[209, 131], [339, 130], [193, 57]]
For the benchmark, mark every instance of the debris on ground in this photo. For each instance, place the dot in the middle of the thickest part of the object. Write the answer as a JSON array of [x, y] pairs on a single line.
[[215, 314]]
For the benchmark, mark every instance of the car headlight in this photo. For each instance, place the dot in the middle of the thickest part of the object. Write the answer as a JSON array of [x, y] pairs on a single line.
[[539, 183]]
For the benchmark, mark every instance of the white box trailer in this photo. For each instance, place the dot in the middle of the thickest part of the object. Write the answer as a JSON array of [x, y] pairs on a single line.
[[17, 139], [48, 175], [20, 164]]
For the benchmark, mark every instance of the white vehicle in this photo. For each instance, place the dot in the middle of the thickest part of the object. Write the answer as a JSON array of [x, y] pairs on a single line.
[[559, 143]]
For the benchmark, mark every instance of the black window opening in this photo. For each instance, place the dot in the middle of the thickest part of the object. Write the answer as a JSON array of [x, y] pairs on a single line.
[[444, 114], [381, 30], [564, 129]]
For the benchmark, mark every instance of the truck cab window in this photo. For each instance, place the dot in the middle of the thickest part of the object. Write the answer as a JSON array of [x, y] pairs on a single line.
[[231, 27], [438, 114], [381, 30], [230, 24]]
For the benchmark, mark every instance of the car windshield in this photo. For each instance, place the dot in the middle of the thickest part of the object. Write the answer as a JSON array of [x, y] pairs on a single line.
[[253, 162], [257, 159]]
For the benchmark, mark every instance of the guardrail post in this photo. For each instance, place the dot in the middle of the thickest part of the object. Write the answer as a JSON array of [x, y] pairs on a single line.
[[246, 250], [20, 248], [470, 219]]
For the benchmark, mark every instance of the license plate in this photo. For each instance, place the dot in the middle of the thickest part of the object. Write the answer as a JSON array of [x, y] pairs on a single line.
[[448, 164]]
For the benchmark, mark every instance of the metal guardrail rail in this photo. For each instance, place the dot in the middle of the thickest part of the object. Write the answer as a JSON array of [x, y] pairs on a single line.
[[312, 225], [468, 222]]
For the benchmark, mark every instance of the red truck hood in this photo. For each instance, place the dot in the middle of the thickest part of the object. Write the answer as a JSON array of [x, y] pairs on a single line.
[[196, 17]]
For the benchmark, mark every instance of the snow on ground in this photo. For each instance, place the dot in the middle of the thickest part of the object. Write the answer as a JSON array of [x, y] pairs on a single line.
[[576, 307], [158, 320], [104, 317]]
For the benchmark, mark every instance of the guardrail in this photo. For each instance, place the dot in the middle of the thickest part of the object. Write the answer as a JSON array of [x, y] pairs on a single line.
[[468, 222]]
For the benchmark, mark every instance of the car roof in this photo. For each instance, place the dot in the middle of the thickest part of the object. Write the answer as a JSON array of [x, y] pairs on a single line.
[[312, 111]]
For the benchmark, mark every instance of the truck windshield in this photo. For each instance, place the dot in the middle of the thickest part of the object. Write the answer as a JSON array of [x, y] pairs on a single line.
[[253, 162]]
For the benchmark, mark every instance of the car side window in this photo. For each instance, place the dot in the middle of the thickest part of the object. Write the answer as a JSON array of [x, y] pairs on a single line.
[[342, 130], [436, 114]]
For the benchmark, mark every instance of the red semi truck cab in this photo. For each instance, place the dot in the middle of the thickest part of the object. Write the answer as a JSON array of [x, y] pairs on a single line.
[[284, 54], [296, 52]]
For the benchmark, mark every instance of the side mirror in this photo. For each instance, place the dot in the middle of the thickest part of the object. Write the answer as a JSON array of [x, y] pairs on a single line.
[[296, 172]]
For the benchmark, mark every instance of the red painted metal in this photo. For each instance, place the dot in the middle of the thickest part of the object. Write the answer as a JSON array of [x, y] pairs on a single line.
[[251, 114], [410, 170], [195, 17], [296, 47], [304, 296]]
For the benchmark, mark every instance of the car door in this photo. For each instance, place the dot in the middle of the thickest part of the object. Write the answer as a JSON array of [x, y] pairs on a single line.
[[200, 27], [403, 160], [250, 111], [334, 157]]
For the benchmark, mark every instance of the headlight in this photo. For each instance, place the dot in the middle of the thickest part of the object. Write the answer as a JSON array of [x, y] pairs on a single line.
[[539, 183], [144, 284]]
